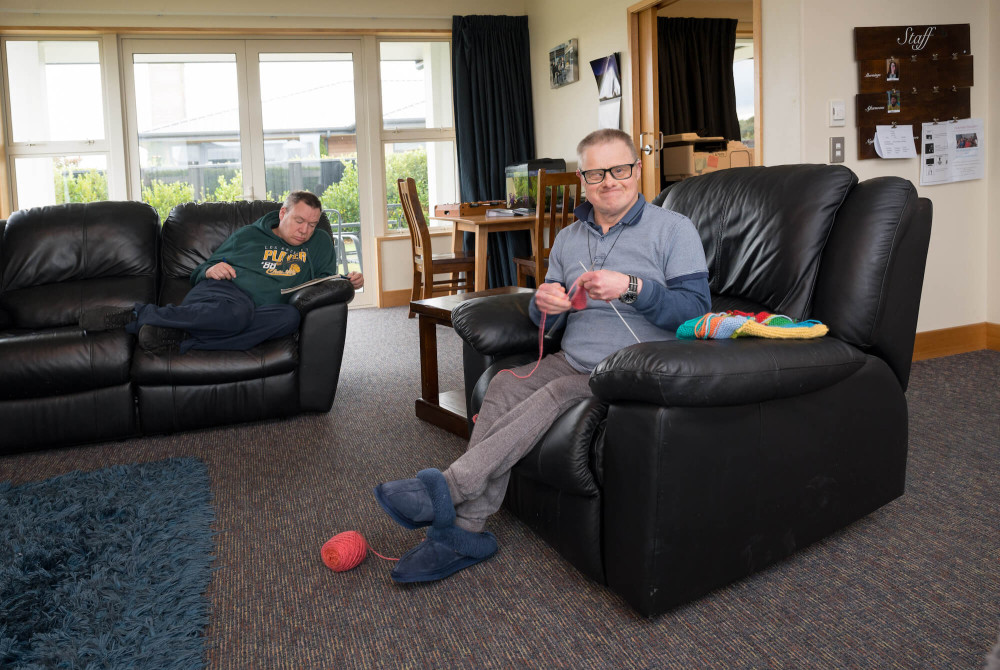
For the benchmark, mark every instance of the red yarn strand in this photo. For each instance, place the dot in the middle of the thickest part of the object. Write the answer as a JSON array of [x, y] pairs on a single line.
[[574, 297]]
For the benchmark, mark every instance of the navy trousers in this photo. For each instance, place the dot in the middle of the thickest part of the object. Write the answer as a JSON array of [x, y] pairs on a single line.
[[216, 314]]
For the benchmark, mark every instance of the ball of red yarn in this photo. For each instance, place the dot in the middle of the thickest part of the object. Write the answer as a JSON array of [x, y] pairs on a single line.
[[344, 551]]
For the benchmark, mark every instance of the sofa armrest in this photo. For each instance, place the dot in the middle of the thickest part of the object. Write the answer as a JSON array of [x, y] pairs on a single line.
[[500, 326], [322, 335], [700, 373], [324, 293]]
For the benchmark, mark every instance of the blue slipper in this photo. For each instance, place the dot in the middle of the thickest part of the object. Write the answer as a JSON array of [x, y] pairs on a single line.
[[418, 502], [443, 553]]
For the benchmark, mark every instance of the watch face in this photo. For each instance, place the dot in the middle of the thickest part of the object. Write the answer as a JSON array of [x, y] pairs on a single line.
[[628, 297]]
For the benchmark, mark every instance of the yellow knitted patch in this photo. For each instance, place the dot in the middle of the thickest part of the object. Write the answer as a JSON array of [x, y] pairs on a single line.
[[752, 328]]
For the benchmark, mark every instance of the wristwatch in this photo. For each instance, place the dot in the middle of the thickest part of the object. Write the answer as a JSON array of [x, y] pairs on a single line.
[[631, 294]]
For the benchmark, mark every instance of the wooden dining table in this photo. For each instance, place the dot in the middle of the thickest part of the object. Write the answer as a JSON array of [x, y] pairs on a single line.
[[481, 225]]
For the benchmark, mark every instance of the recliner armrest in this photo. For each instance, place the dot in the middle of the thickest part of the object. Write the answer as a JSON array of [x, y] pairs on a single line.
[[499, 325], [324, 293], [322, 335], [712, 373]]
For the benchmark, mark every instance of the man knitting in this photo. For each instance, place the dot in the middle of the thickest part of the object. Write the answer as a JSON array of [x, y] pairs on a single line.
[[622, 252], [236, 302]]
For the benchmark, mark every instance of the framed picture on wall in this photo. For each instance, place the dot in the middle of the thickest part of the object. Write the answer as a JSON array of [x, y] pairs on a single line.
[[563, 64]]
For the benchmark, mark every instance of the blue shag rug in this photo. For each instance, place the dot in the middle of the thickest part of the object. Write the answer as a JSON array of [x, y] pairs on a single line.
[[107, 569]]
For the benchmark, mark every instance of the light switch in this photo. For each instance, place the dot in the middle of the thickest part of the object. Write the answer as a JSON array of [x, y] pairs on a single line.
[[838, 115], [836, 149]]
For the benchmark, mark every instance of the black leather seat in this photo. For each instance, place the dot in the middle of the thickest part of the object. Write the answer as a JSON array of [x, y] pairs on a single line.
[[204, 388], [62, 386], [700, 462]]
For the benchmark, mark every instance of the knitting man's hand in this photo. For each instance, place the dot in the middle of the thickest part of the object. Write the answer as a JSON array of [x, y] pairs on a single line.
[[551, 298]]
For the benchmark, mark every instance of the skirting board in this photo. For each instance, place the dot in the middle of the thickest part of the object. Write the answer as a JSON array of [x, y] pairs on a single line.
[[958, 340], [396, 298]]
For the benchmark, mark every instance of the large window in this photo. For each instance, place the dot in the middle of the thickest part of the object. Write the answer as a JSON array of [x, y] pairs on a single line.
[[418, 129], [220, 120], [230, 118], [187, 128], [58, 149]]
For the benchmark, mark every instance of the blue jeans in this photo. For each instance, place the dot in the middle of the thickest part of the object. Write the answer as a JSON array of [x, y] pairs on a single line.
[[217, 314]]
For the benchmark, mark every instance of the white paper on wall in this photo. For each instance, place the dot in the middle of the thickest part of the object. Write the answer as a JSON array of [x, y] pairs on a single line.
[[951, 151]]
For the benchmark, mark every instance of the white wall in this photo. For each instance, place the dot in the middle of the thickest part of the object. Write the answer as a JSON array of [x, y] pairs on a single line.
[[955, 286], [808, 58], [564, 115]]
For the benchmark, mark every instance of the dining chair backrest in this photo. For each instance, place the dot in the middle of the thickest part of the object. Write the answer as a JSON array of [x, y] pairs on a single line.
[[554, 211], [420, 234]]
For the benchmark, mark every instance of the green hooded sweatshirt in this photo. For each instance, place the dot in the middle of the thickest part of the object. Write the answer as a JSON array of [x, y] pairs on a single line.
[[265, 263]]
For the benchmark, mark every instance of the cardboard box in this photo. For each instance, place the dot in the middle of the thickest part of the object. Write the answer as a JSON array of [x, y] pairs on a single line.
[[687, 155]]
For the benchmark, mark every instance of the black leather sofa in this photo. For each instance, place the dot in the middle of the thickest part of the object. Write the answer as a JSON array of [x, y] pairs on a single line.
[[700, 462], [62, 386]]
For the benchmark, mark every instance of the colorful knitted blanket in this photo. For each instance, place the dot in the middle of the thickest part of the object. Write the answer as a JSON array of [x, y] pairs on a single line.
[[722, 325]]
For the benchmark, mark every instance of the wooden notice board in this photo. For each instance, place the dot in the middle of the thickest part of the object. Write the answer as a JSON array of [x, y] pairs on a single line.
[[909, 75]]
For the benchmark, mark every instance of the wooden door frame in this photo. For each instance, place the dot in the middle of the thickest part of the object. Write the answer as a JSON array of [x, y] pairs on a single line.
[[645, 88]]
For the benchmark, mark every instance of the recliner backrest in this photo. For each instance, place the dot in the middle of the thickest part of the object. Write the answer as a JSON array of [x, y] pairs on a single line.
[[764, 229], [58, 260]]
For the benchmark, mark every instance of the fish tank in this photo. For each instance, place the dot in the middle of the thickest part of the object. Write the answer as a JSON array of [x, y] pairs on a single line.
[[522, 180]]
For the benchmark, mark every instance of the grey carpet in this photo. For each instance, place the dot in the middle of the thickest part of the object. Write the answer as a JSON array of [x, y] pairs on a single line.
[[914, 585]]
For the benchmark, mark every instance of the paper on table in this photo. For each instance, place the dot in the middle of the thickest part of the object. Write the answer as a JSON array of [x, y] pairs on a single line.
[[894, 142]]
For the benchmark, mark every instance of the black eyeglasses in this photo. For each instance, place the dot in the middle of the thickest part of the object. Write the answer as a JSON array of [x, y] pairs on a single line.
[[619, 172]]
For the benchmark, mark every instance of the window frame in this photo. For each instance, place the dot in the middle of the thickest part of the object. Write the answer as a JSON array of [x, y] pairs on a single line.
[[401, 135], [112, 146]]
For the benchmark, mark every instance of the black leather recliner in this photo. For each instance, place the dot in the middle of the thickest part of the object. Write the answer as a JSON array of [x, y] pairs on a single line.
[[700, 462], [279, 377], [62, 386]]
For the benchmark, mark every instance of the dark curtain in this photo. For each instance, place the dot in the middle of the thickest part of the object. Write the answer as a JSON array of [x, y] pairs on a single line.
[[494, 123], [697, 92]]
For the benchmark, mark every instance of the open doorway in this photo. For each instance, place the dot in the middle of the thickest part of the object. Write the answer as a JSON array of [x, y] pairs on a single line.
[[643, 43]]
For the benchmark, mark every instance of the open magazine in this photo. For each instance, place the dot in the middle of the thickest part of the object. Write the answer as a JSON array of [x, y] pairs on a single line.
[[317, 280]]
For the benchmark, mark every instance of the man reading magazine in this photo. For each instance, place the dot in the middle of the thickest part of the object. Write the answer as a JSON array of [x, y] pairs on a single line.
[[237, 301]]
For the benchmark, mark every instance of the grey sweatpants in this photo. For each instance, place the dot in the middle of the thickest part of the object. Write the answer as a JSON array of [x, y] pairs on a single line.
[[514, 416]]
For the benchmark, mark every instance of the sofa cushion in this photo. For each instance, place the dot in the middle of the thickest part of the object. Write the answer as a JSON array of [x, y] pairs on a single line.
[[56, 305], [61, 361], [57, 261], [196, 367], [764, 229]]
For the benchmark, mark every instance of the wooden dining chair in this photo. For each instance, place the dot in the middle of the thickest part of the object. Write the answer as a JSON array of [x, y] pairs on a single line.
[[550, 220], [426, 264]]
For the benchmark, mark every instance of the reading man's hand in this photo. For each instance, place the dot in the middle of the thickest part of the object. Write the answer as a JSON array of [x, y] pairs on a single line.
[[221, 270], [551, 299], [357, 279]]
